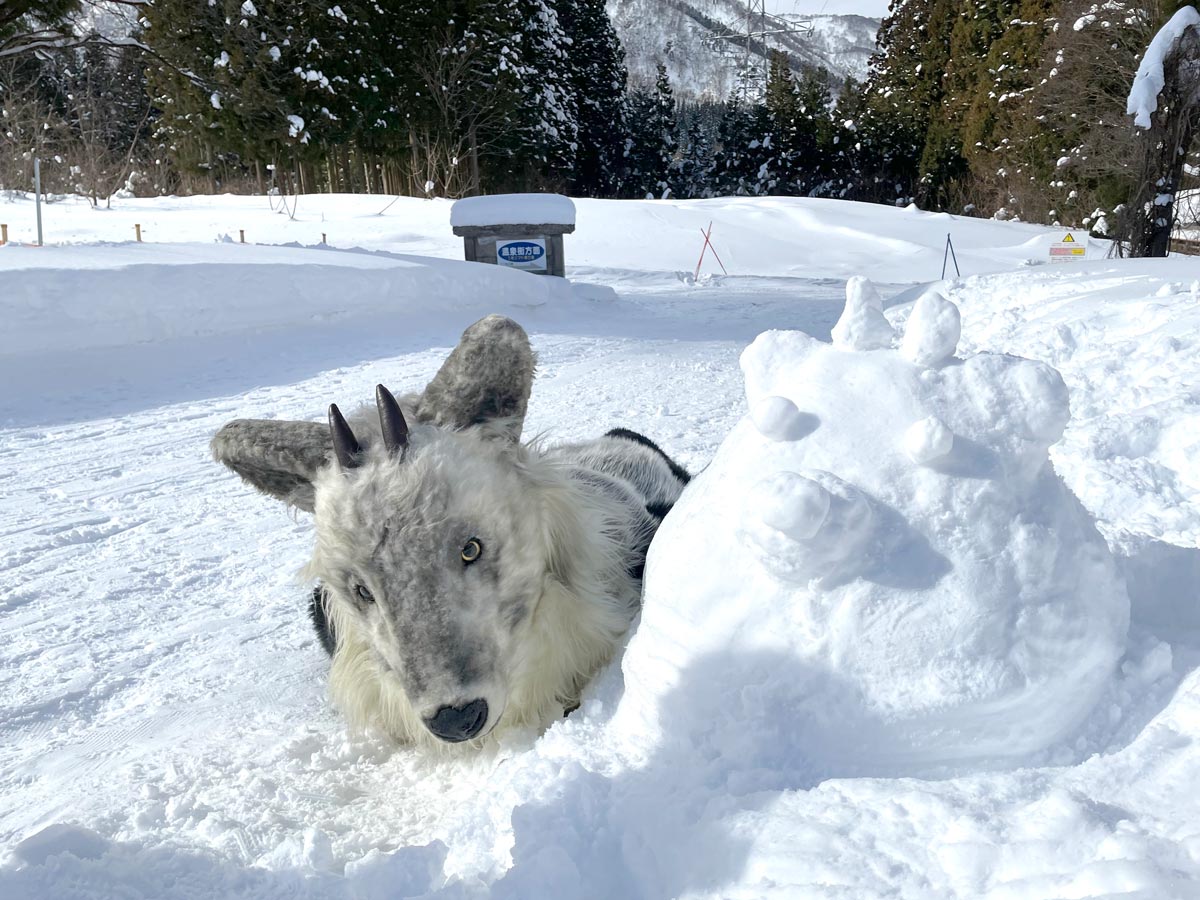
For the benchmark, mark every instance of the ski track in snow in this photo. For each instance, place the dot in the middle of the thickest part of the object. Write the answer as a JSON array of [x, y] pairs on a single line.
[[164, 710]]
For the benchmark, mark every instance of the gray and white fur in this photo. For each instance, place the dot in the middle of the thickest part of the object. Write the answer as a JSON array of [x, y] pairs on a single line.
[[469, 582]]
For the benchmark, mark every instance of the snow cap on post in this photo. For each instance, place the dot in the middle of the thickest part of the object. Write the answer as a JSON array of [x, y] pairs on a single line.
[[513, 209]]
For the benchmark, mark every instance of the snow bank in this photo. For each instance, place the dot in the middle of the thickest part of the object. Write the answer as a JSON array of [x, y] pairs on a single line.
[[756, 237], [513, 209], [138, 293], [1126, 337], [886, 526], [1149, 80]]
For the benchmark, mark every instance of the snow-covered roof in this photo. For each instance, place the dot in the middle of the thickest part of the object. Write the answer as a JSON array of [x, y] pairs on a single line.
[[513, 209]]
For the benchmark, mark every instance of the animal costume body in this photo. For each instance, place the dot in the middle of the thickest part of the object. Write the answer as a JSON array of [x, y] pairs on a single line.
[[467, 581]]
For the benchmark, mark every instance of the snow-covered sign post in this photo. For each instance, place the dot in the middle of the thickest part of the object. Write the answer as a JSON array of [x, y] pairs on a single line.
[[1164, 100], [518, 231]]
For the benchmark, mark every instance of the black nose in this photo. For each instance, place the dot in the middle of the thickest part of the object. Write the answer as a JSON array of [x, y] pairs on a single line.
[[459, 723]]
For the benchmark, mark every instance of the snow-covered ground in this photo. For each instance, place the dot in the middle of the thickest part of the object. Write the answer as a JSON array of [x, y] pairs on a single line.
[[885, 651]]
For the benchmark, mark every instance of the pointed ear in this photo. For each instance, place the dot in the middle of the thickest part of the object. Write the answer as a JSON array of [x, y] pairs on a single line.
[[278, 458], [485, 380]]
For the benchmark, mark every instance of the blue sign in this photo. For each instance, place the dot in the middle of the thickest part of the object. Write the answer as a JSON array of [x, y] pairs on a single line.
[[528, 254]]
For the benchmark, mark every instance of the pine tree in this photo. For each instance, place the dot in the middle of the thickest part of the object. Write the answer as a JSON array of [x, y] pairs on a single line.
[[546, 140], [1059, 148], [466, 107], [814, 132], [246, 78], [851, 162], [651, 141], [691, 175], [34, 25], [109, 114], [739, 159], [784, 116], [596, 66], [492, 107], [904, 89]]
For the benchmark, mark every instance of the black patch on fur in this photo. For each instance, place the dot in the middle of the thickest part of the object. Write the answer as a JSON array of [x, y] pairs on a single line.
[[638, 571], [321, 623], [676, 469], [637, 557], [658, 510]]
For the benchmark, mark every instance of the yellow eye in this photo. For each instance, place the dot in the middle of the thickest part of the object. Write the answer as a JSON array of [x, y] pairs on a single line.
[[472, 550]]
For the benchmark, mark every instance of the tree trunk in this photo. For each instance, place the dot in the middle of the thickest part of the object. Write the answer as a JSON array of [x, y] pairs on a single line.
[[1150, 214], [473, 189]]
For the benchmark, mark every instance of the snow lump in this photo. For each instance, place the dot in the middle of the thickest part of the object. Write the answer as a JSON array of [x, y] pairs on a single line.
[[903, 585]]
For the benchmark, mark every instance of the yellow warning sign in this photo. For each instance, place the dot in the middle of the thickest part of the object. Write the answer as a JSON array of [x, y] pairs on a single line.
[[1073, 246]]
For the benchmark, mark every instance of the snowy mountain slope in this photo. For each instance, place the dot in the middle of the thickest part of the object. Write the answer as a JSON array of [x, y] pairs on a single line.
[[163, 725], [680, 34]]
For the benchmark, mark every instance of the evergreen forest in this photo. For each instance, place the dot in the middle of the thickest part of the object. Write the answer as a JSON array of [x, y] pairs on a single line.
[[1003, 108]]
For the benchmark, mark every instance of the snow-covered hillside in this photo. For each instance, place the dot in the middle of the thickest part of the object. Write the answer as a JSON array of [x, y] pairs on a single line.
[[680, 33], [912, 632]]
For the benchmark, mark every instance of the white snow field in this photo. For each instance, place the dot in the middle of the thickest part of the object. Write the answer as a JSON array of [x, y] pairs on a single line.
[[925, 625]]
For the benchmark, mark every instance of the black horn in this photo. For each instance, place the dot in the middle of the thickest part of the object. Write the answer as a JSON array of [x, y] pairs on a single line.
[[391, 419], [345, 445]]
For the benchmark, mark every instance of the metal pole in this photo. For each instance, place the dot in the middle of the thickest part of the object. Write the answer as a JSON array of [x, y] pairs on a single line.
[[37, 194]]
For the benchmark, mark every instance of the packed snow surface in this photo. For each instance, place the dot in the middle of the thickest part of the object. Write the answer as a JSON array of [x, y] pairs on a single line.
[[513, 209], [925, 625]]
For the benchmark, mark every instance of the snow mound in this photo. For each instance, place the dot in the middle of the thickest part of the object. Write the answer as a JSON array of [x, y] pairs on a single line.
[[885, 528]]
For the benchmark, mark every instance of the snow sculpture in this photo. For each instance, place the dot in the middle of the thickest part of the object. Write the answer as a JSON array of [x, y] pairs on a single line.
[[863, 326], [904, 586], [928, 440], [778, 419], [934, 328]]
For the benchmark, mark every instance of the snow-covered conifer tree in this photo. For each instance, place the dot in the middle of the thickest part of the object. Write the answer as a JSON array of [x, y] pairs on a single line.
[[598, 77]]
